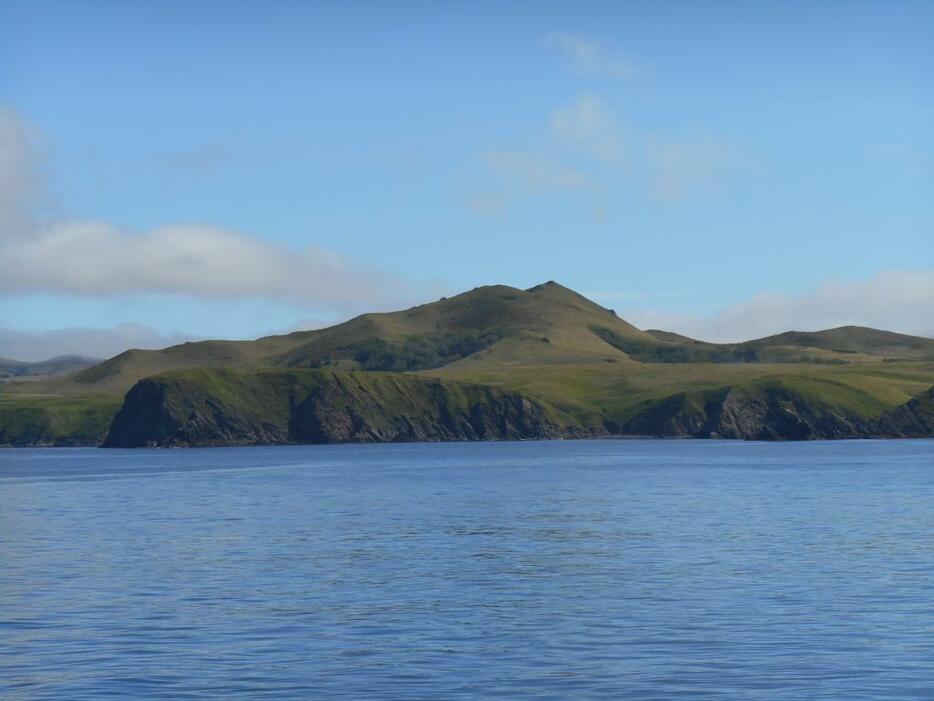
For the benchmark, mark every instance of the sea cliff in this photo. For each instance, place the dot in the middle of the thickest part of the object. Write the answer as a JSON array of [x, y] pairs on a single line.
[[208, 408]]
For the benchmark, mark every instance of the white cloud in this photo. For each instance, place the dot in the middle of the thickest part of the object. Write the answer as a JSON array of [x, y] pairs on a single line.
[[588, 125], [19, 177], [583, 135], [586, 148], [98, 259], [894, 300], [93, 342], [587, 56]]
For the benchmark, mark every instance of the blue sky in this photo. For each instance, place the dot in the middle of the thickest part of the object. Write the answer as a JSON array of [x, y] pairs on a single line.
[[233, 169]]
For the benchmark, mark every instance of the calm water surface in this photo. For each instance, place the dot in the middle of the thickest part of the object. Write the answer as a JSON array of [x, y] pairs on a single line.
[[548, 570]]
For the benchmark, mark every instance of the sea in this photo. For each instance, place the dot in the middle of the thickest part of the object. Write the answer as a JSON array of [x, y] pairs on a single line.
[[591, 569]]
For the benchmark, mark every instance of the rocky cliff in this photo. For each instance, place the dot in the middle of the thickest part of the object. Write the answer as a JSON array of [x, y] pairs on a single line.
[[914, 419], [750, 413], [203, 408], [223, 407]]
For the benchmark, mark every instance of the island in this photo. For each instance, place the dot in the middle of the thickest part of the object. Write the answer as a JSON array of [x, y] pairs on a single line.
[[493, 363]]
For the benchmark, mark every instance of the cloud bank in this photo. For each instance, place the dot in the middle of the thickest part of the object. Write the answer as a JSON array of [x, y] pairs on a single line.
[[94, 258], [93, 342], [894, 300], [98, 259], [19, 176]]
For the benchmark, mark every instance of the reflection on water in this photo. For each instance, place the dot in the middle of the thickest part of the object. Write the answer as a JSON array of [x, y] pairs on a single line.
[[547, 570]]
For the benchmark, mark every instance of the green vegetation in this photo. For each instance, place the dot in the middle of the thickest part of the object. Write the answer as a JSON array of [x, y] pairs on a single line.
[[419, 352], [652, 351], [836, 347], [588, 368], [60, 365], [56, 420], [857, 340]]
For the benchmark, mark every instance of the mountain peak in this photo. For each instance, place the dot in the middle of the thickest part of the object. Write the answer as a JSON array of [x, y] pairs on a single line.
[[549, 285], [557, 292]]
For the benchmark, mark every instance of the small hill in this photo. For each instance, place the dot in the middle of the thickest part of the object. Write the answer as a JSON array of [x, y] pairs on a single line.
[[547, 323], [59, 365], [845, 344], [854, 340]]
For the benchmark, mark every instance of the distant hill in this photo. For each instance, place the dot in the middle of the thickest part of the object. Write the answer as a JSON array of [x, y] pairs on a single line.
[[59, 365], [592, 372], [858, 340], [843, 344]]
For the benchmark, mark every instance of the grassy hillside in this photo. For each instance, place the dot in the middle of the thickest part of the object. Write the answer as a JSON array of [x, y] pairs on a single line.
[[56, 420], [846, 344], [548, 322], [486, 327], [855, 340], [547, 342], [618, 392]]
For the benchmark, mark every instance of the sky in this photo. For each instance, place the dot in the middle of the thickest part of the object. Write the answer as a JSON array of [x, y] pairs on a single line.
[[181, 170]]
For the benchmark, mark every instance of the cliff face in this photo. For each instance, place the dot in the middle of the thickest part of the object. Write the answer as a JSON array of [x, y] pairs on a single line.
[[225, 408], [781, 414], [914, 419], [772, 413], [222, 407]]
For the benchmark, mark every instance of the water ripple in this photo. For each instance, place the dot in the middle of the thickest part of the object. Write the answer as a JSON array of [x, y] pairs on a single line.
[[553, 570]]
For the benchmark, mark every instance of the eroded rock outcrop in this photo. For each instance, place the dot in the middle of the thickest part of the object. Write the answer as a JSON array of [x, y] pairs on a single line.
[[914, 419], [221, 407], [750, 413], [225, 408]]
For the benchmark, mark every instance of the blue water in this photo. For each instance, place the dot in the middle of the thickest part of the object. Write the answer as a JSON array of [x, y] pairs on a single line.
[[547, 570]]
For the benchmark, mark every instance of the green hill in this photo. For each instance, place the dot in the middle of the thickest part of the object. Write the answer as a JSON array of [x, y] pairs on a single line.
[[845, 344], [855, 340], [548, 323], [576, 359], [59, 365]]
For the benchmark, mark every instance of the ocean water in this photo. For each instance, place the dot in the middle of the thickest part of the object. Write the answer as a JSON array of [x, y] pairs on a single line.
[[538, 570]]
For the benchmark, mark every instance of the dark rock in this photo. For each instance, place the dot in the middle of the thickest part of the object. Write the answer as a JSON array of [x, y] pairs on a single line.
[[913, 419], [762, 414], [154, 415], [323, 407]]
